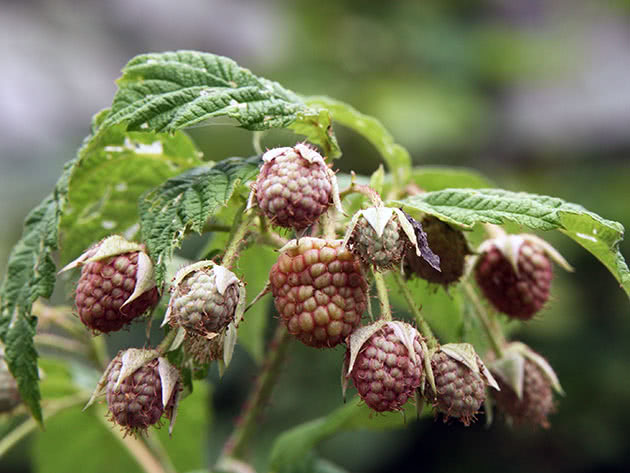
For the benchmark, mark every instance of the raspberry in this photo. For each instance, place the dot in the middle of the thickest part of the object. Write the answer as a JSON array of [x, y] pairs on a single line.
[[116, 284], [536, 401], [515, 275], [451, 247], [295, 186], [135, 394], [103, 289], [460, 382], [201, 305], [380, 236], [319, 290], [386, 368], [384, 251], [9, 393]]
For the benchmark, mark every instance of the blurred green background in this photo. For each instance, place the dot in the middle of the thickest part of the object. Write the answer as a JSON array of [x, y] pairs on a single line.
[[535, 94]]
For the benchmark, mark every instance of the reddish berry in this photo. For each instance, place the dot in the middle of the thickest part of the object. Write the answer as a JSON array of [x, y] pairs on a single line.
[[319, 290], [460, 390], [294, 186], [103, 289], [536, 402], [519, 294], [135, 402], [388, 368]]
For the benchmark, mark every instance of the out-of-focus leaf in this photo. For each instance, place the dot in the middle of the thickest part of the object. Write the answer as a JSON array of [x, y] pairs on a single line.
[[435, 178], [104, 188], [396, 157]]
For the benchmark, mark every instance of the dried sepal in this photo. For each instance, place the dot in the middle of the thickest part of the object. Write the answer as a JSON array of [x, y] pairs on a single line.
[[510, 247], [111, 246], [465, 353]]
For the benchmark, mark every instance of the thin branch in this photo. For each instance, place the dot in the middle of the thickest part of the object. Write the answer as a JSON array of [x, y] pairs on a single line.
[[29, 425], [489, 322], [247, 424], [138, 450]]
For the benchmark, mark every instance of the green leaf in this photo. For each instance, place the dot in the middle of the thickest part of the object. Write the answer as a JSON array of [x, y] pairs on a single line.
[[466, 207], [434, 178], [185, 202], [294, 444], [115, 169], [21, 357], [173, 90], [396, 157], [30, 275]]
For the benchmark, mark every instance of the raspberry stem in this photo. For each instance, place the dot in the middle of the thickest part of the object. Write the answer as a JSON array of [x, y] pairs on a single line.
[[383, 297], [239, 230], [424, 326], [489, 321], [362, 189], [237, 443], [166, 342]]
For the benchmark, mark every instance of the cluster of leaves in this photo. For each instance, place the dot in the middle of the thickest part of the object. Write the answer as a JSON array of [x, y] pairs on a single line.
[[138, 174]]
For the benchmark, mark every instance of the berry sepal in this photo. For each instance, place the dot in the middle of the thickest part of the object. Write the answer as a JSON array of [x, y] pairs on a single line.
[[510, 246], [527, 383], [511, 367]]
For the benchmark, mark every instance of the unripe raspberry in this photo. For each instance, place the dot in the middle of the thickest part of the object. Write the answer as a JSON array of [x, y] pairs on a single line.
[[449, 244], [319, 290], [9, 393], [116, 284], [204, 300], [384, 361], [460, 382], [295, 186], [384, 252], [140, 388], [380, 236], [514, 272], [536, 402]]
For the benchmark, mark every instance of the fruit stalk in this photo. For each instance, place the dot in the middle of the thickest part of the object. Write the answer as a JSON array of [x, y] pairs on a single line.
[[425, 328], [238, 441], [490, 325], [239, 230], [383, 297], [139, 450]]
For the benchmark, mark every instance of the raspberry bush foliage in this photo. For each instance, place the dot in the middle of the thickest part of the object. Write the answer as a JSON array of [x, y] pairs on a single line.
[[345, 258]]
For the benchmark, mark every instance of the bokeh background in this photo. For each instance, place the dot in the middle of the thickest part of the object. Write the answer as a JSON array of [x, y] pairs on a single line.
[[533, 93]]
